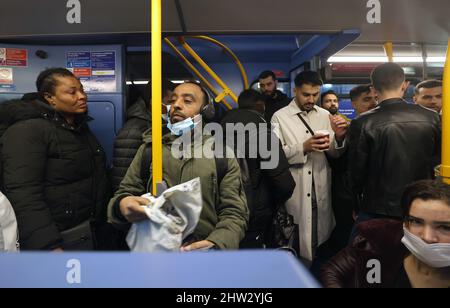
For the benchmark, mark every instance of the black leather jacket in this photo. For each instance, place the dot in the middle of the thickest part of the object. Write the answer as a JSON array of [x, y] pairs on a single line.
[[390, 147]]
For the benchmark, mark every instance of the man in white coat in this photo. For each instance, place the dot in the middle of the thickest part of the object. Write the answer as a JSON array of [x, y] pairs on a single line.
[[309, 133]]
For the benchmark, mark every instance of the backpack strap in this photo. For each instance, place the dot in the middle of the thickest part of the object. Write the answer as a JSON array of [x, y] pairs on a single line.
[[221, 166], [145, 165]]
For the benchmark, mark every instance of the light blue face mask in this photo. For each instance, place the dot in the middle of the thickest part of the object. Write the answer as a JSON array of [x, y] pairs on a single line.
[[180, 128]]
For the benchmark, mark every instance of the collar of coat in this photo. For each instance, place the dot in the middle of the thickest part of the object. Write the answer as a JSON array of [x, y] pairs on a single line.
[[80, 121], [49, 113], [295, 109]]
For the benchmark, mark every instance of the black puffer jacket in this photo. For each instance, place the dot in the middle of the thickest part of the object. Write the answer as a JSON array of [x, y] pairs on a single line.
[[390, 147], [271, 187], [129, 140], [54, 176]]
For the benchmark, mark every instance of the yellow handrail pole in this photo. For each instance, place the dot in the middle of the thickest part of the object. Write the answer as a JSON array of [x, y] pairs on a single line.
[[389, 49], [156, 28], [445, 167], [196, 71], [205, 66], [230, 52]]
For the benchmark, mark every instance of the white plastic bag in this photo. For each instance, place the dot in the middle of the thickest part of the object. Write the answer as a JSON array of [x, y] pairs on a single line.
[[8, 227], [172, 217]]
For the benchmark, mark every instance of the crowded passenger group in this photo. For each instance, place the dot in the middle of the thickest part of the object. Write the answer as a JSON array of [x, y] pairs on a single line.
[[342, 192]]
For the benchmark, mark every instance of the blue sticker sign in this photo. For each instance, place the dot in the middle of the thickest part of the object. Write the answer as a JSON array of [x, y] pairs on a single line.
[[7, 88], [95, 69], [77, 59], [104, 61], [346, 108]]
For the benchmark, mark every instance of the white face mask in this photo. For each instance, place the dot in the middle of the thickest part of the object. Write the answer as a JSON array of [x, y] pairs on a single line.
[[434, 255], [185, 126]]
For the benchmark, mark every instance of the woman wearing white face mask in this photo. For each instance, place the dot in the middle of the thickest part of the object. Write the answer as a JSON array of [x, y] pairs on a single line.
[[386, 253]]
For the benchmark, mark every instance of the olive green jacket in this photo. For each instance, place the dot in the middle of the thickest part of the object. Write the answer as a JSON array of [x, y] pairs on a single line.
[[224, 217]]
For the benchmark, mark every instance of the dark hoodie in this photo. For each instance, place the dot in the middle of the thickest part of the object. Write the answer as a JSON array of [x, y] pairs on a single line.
[[129, 139], [274, 103], [53, 174]]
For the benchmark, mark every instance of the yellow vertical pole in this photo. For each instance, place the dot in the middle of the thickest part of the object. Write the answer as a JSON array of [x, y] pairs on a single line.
[[156, 28], [389, 49], [445, 168]]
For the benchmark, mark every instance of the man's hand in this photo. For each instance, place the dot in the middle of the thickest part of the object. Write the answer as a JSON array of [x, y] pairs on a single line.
[[316, 143], [202, 245], [339, 126], [131, 208]]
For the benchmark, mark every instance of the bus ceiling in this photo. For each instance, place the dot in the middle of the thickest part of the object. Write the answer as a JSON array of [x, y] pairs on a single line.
[[111, 20]]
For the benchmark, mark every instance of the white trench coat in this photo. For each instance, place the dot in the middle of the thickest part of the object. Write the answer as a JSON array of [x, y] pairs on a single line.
[[292, 133]]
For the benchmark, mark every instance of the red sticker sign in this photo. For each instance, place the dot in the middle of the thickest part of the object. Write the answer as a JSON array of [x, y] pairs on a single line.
[[13, 57]]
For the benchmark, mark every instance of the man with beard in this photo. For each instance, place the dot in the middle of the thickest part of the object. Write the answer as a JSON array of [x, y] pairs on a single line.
[[223, 220], [363, 98], [428, 94], [330, 102], [275, 99], [306, 132]]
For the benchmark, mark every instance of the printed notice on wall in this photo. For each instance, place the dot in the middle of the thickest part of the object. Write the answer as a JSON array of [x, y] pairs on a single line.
[[96, 70], [6, 79], [14, 57]]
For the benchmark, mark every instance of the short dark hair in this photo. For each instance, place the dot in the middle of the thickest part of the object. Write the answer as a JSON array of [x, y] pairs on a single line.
[[249, 98], [428, 84], [308, 77], [46, 82], [267, 74], [356, 92], [167, 86], [425, 190], [206, 95], [330, 92], [387, 77]]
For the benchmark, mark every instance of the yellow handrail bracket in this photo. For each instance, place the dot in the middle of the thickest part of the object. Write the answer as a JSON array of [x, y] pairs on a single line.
[[206, 67], [389, 50], [197, 72], [230, 52]]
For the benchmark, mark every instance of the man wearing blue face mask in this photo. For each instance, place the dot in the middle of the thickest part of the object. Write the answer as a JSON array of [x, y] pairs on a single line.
[[224, 217], [412, 254], [138, 120]]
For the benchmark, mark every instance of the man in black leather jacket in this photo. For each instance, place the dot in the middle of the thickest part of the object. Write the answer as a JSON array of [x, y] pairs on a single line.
[[391, 146]]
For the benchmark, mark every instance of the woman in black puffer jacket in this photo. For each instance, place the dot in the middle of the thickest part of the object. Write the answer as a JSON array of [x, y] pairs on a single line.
[[54, 169]]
